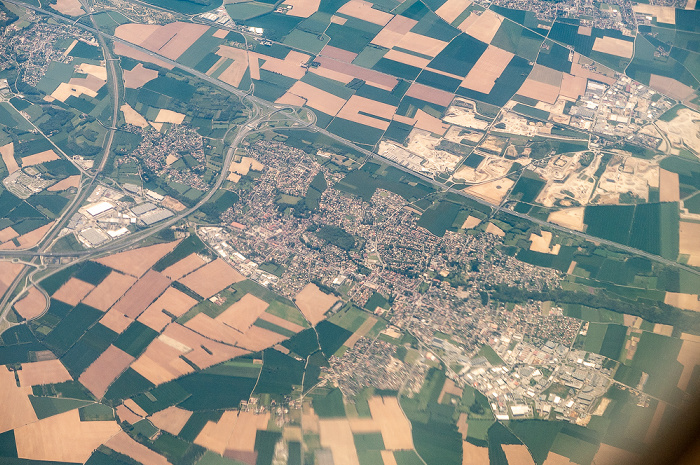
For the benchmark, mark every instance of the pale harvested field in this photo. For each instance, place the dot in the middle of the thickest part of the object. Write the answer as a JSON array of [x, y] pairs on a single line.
[[173, 301], [429, 123], [317, 99], [63, 437], [257, 338], [135, 33], [242, 314], [663, 14], [556, 459], [7, 234], [517, 454], [124, 444], [690, 337], [351, 111], [291, 99], [172, 419], [338, 54], [7, 151], [406, 58], [73, 291], [471, 222], [489, 67], [689, 356], [8, 273], [172, 204], [302, 8], [291, 66], [363, 10], [33, 237], [254, 66], [41, 157], [388, 457], [671, 87], [109, 291], [571, 218], [125, 414], [309, 419], [314, 303], [116, 321], [474, 455], [65, 90], [161, 362], [90, 82], [485, 27], [70, 181], [375, 78], [451, 9], [68, 7], [688, 241], [244, 166], [234, 430], [212, 278], [235, 71], [394, 31], [134, 407], [669, 186], [422, 44], [585, 30], [15, 408], [169, 116], [493, 191], [46, 372], [337, 436], [664, 330], [495, 230], [215, 353], [462, 425], [100, 72], [580, 70], [105, 370], [539, 91], [395, 427], [655, 422], [213, 329], [138, 76], [449, 388], [540, 243], [572, 86], [173, 39], [132, 116], [429, 94], [361, 331], [220, 33], [128, 51], [609, 455], [613, 46], [142, 294], [281, 322], [136, 262], [32, 305]]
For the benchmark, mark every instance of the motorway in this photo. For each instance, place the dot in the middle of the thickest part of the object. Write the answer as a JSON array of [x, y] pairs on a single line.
[[265, 108]]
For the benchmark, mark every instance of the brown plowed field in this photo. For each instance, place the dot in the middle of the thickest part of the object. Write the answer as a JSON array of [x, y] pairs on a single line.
[[257, 338], [105, 370], [73, 291], [32, 305], [70, 181], [138, 76], [184, 266], [242, 314], [124, 444], [136, 262], [281, 322], [161, 362], [7, 151], [116, 321], [142, 294], [47, 155], [234, 430], [314, 303], [172, 419], [213, 329], [109, 291], [212, 278], [63, 438], [46, 372], [15, 408], [172, 301]]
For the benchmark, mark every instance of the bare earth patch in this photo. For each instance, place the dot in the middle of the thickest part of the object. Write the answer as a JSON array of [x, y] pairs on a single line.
[[571, 218], [212, 278], [45, 372], [73, 291], [493, 191], [314, 303], [109, 291], [32, 305], [136, 262], [63, 437], [105, 370], [63, 184], [172, 419], [142, 294]]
